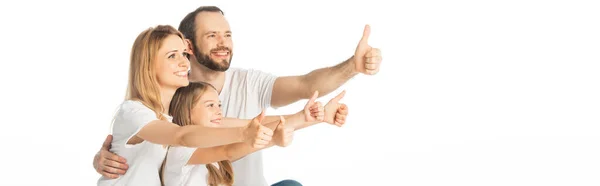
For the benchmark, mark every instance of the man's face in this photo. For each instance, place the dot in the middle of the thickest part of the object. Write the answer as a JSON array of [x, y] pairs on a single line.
[[213, 45]]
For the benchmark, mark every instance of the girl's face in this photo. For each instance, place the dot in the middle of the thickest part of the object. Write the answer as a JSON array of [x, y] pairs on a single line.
[[208, 109], [172, 63]]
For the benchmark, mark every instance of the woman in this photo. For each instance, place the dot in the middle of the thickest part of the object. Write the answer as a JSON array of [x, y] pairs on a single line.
[[142, 129]]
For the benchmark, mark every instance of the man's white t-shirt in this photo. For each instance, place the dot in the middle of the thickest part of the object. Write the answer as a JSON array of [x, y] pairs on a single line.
[[245, 94], [145, 158]]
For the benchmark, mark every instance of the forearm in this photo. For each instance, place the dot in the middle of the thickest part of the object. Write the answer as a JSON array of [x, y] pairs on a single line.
[[204, 137], [326, 80], [297, 121], [239, 150]]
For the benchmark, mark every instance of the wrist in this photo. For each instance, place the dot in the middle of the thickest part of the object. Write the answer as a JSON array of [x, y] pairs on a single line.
[[243, 133], [351, 65]]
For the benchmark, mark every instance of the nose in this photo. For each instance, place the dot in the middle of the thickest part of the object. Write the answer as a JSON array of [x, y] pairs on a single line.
[[184, 62], [220, 40]]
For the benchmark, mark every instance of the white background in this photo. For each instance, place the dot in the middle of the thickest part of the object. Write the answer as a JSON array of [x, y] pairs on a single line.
[[469, 92]]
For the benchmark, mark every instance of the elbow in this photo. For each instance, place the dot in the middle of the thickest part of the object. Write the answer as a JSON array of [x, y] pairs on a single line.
[[227, 152], [180, 137]]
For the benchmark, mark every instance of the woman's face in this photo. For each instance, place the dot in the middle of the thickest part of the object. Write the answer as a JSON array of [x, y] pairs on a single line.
[[172, 63], [208, 109]]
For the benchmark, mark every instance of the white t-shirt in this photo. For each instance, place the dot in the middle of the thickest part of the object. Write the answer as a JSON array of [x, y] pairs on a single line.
[[145, 158], [178, 173], [245, 93]]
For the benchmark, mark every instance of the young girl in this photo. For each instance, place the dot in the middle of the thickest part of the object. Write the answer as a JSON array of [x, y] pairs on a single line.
[[141, 127], [198, 104]]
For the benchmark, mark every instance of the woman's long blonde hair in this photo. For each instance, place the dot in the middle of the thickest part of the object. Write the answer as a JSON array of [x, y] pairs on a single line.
[[143, 84], [181, 109]]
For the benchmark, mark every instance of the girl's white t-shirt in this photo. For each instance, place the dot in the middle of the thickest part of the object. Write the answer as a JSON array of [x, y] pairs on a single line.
[[179, 173], [145, 158]]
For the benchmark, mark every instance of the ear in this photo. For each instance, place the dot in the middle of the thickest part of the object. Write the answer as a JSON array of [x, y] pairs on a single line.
[[190, 46]]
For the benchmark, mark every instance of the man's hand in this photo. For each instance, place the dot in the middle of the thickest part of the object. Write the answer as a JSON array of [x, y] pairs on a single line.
[[366, 58], [336, 112], [283, 134], [257, 135], [109, 164], [314, 111]]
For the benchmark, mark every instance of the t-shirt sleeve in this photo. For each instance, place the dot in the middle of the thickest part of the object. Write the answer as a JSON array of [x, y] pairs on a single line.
[[177, 171], [130, 119], [262, 83]]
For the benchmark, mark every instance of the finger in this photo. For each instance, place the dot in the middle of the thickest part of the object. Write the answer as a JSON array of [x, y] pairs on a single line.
[[314, 97], [109, 175], [114, 164], [107, 141], [339, 116], [265, 137], [112, 156], [339, 97], [262, 142], [260, 117], [266, 131], [112, 170], [258, 146], [343, 109], [372, 72], [371, 66], [374, 52], [281, 122], [373, 60], [366, 33]]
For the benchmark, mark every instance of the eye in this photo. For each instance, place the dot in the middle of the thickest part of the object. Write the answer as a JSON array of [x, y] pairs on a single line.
[[186, 55], [211, 105], [171, 56], [220, 105], [212, 35], [227, 35]]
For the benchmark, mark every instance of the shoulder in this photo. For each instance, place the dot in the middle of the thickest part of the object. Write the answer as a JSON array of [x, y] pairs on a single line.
[[131, 108], [132, 104]]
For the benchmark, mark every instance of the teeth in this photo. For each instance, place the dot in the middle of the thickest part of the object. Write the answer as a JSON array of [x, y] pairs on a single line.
[[221, 53], [181, 73]]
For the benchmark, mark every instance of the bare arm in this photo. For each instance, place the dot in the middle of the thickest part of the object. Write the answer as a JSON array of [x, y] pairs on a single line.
[[235, 122], [289, 89], [167, 133], [236, 151]]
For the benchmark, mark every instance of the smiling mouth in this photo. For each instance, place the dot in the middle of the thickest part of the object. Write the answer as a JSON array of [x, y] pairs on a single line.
[[221, 54], [216, 121], [182, 74]]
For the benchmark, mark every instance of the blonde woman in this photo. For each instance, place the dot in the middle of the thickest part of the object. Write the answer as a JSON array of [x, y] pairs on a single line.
[[142, 129]]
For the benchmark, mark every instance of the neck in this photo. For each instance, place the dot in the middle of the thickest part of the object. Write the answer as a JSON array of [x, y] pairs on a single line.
[[201, 73], [166, 94]]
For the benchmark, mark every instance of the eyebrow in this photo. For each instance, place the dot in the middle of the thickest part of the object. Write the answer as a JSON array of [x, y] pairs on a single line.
[[175, 50], [212, 100], [214, 32]]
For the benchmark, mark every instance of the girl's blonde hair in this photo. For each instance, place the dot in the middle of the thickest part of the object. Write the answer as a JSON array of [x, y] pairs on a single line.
[[181, 109]]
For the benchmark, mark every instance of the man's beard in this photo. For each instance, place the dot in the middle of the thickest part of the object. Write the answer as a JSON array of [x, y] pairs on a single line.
[[204, 59]]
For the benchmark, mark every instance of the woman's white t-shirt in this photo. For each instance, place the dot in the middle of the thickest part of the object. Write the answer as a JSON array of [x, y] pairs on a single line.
[[145, 158], [179, 173]]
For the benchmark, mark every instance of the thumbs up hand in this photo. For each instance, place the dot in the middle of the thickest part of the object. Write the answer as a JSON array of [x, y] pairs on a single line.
[[283, 134], [366, 58], [257, 135], [336, 112], [314, 111]]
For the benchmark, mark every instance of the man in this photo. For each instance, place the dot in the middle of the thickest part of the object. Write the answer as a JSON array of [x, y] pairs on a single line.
[[245, 93]]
